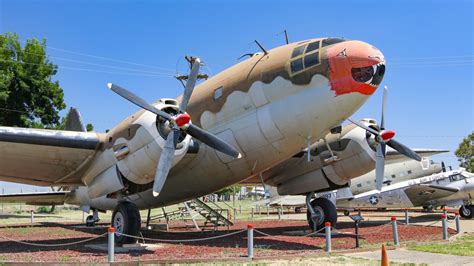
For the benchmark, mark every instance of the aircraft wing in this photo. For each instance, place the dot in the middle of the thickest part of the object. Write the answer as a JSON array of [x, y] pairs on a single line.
[[45, 157], [394, 156], [37, 198], [420, 194]]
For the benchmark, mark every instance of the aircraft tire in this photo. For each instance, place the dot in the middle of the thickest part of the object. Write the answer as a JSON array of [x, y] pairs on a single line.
[[467, 211], [90, 222], [327, 210], [126, 219]]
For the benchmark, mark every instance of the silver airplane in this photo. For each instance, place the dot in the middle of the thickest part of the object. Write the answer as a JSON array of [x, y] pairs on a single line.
[[452, 188], [395, 171]]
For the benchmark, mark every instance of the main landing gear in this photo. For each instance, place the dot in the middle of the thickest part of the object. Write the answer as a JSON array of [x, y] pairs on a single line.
[[126, 220], [466, 211], [320, 211]]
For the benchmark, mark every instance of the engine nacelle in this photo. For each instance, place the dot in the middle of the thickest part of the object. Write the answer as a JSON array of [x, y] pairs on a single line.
[[353, 157], [138, 150]]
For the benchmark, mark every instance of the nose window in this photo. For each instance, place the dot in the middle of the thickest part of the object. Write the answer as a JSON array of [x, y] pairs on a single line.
[[362, 74]]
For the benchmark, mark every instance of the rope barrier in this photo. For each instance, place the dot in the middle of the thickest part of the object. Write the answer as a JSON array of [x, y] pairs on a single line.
[[54, 245], [182, 240]]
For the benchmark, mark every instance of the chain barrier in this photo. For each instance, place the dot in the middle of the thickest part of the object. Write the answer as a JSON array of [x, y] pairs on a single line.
[[437, 221], [315, 232], [182, 240], [54, 245], [380, 229], [333, 229]]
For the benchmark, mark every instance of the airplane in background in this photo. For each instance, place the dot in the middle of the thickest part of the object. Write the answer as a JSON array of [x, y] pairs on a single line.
[[246, 119], [453, 188]]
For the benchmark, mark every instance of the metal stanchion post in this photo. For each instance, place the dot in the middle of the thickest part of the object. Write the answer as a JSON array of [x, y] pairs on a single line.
[[111, 244], [279, 213], [395, 231], [407, 218], [235, 214], [251, 215], [268, 212], [445, 226], [327, 228], [32, 217], [240, 209], [357, 234], [250, 241], [458, 224]]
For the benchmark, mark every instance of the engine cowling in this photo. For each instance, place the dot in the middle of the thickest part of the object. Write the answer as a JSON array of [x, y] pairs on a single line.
[[354, 156], [138, 150]]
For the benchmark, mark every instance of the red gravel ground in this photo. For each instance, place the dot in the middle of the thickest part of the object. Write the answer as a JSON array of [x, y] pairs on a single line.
[[229, 247]]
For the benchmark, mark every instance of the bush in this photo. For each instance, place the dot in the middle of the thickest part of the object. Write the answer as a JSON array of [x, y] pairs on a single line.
[[42, 209]]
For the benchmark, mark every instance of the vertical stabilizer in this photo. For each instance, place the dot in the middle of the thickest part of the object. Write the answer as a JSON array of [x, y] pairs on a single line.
[[74, 121]]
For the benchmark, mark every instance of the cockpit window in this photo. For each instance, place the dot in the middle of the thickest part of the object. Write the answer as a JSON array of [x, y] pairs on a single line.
[[305, 56], [311, 59], [331, 41], [298, 51], [456, 177], [312, 46], [297, 65]]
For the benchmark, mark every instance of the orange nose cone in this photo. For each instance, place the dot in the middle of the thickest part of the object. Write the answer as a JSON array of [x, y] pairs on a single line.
[[355, 66]]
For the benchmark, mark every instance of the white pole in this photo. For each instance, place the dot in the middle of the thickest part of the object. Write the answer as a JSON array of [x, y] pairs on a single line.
[[111, 245], [250, 241]]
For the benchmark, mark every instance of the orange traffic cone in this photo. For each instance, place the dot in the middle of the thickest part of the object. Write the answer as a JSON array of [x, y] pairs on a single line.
[[384, 256]]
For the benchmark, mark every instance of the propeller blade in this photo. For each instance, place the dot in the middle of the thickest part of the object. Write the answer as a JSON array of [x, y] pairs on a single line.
[[188, 89], [384, 105], [164, 164], [403, 150], [137, 100], [379, 166], [212, 141], [359, 124]]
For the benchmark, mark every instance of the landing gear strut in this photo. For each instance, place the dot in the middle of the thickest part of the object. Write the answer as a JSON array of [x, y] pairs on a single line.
[[92, 219], [320, 210], [467, 211], [126, 220]]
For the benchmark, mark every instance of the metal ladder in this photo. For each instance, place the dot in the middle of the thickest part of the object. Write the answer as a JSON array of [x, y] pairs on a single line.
[[213, 216]]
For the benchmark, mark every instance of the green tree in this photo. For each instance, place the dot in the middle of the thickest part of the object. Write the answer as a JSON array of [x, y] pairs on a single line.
[[465, 153], [28, 95]]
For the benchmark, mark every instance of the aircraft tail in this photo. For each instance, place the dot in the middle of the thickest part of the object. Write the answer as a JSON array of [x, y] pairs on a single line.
[[74, 121]]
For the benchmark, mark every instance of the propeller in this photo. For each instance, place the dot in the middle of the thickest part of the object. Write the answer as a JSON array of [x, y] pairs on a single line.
[[177, 123], [383, 138]]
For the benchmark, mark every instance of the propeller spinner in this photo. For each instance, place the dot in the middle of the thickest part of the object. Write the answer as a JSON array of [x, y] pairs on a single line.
[[179, 122], [384, 137]]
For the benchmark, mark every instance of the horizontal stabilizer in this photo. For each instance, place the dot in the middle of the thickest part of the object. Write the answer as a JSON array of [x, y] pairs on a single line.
[[36, 198]]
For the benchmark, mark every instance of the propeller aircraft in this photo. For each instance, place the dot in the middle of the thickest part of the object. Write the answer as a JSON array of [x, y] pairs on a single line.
[[238, 123]]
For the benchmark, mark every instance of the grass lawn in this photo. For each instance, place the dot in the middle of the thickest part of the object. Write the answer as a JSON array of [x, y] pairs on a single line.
[[20, 213], [462, 246]]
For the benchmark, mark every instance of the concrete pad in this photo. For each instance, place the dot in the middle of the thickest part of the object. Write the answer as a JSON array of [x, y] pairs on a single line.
[[417, 257], [126, 247]]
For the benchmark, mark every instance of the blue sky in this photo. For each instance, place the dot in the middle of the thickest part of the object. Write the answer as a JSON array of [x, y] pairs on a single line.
[[428, 46]]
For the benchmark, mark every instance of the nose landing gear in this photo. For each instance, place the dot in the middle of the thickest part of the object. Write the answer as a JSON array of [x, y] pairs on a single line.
[[320, 210]]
